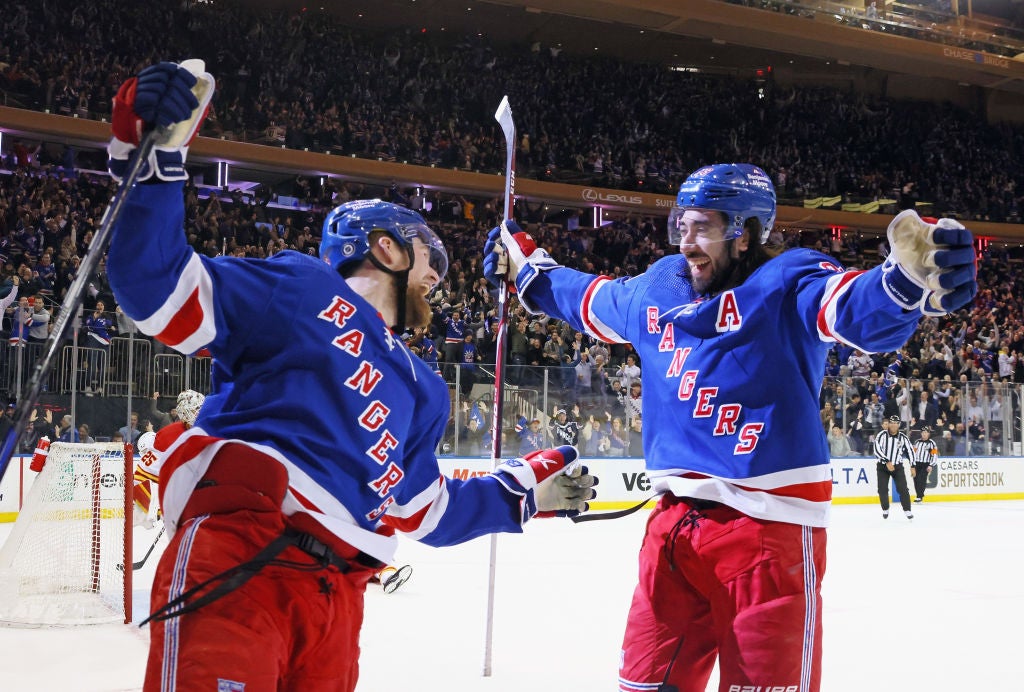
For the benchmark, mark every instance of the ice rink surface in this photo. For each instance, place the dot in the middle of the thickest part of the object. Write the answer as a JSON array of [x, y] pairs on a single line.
[[933, 604]]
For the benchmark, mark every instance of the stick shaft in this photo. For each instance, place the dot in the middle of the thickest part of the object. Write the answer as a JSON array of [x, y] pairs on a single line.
[[139, 564], [73, 300], [504, 117]]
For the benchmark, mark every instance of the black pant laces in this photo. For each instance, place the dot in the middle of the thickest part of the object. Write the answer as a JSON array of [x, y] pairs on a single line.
[[689, 520]]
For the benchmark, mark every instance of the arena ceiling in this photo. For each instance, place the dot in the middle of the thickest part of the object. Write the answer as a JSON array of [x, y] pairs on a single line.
[[565, 28], [712, 35]]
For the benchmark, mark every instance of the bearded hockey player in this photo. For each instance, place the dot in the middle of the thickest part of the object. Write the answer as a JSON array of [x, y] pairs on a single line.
[[315, 444], [733, 343]]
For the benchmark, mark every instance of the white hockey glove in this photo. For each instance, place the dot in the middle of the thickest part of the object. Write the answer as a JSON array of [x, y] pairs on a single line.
[[551, 482], [174, 97], [508, 247], [930, 266]]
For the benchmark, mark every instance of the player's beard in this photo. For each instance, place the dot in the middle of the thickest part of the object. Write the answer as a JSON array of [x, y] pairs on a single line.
[[417, 309], [711, 284], [721, 277]]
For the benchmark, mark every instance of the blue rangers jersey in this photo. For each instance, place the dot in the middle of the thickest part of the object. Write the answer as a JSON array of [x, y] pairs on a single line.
[[305, 371], [730, 383]]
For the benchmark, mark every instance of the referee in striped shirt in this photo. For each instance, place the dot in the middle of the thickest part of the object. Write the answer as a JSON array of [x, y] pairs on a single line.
[[892, 448], [925, 454]]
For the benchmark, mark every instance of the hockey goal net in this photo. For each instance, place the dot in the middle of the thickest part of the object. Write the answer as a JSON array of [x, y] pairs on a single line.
[[64, 561]]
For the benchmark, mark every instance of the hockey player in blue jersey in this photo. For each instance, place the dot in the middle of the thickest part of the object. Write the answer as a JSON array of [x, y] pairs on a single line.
[[315, 445], [732, 341]]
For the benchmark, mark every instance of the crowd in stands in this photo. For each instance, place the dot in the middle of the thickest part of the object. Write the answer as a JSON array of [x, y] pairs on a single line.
[[49, 216], [305, 81], [409, 97]]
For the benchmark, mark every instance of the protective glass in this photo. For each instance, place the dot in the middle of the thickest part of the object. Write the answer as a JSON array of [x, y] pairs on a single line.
[[438, 255], [677, 227]]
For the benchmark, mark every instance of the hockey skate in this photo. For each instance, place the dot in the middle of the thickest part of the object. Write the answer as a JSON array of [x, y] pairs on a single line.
[[393, 577]]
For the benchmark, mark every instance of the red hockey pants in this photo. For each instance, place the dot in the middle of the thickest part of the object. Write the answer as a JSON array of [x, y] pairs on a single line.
[[283, 629], [716, 583]]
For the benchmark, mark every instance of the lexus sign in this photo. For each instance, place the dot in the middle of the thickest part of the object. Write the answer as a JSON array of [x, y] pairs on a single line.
[[591, 195]]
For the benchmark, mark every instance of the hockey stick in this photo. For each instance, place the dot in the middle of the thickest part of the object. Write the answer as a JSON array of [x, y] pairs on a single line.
[[74, 298], [504, 117], [141, 563]]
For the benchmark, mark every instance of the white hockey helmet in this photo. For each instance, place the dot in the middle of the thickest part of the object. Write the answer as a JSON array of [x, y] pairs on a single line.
[[189, 403], [145, 443]]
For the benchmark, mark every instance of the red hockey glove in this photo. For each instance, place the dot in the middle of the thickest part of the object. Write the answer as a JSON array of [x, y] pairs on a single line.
[[168, 95], [510, 254]]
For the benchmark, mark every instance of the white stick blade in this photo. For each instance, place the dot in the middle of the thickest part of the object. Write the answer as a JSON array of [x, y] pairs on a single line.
[[504, 117]]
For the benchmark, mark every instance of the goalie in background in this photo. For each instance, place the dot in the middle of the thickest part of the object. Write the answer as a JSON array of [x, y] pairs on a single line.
[[151, 447]]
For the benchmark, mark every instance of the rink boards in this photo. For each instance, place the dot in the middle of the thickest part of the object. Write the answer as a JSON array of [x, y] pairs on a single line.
[[624, 481]]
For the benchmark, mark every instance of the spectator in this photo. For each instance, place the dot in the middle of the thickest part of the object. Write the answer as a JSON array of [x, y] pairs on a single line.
[[531, 437], [468, 359], [39, 322], [98, 329], [636, 436], [618, 438], [594, 439], [21, 321], [159, 418], [635, 401], [131, 432], [628, 372], [563, 430], [83, 434], [838, 444], [926, 412], [874, 414], [828, 416], [584, 377]]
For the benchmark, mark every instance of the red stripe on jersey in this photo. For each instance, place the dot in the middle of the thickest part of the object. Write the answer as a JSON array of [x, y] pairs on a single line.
[[303, 500], [191, 448], [406, 524], [185, 322], [413, 521], [820, 491], [823, 325], [586, 315], [812, 492]]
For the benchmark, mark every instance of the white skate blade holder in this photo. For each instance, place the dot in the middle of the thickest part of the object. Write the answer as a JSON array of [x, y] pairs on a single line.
[[179, 134]]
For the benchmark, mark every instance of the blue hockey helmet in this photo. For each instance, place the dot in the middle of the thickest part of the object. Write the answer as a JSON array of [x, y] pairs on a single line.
[[738, 190], [347, 230]]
